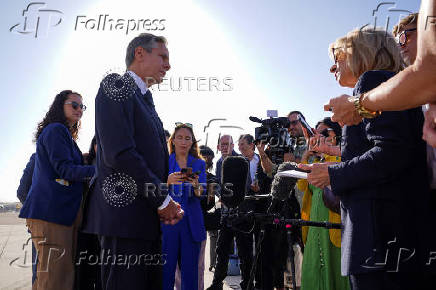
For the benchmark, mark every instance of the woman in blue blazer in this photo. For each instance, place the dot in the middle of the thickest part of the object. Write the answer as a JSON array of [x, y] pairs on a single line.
[[181, 242], [52, 207]]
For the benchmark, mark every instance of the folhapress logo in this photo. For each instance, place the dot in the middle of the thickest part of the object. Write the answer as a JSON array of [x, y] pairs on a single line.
[[107, 23], [37, 19]]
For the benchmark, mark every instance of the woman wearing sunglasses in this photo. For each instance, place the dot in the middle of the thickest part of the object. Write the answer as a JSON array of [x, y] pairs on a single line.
[[52, 207], [382, 177], [181, 243]]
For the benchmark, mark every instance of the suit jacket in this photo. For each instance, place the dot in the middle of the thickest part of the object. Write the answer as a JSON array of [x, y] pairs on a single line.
[[132, 158], [382, 181], [184, 195], [26, 179], [57, 158]]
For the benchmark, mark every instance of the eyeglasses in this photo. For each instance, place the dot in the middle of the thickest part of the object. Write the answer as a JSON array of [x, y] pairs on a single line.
[[338, 53], [402, 37], [178, 124], [76, 105]]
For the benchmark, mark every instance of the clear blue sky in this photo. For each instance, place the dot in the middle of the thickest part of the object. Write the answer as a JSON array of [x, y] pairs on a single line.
[[274, 52]]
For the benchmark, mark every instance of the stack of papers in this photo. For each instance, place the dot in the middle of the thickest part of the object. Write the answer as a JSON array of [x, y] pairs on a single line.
[[293, 173]]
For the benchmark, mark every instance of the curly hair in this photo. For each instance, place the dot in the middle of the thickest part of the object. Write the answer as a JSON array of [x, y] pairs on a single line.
[[56, 114], [194, 150]]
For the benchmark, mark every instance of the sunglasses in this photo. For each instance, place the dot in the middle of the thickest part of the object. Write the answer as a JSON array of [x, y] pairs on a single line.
[[338, 53], [178, 124], [402, 37], [76, 105], [325, 132], [295, 122]]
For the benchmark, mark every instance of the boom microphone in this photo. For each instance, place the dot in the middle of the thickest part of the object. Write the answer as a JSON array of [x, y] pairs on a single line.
[[255, 119], [234, 177], [282, 186]]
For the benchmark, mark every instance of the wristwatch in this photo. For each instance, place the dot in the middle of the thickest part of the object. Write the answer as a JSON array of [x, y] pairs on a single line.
[[361, 110]]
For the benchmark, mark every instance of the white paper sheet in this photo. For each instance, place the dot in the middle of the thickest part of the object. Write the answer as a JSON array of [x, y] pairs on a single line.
[[293, 173]]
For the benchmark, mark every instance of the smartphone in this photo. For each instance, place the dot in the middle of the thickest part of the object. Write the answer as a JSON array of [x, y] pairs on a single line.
[[187, 171]]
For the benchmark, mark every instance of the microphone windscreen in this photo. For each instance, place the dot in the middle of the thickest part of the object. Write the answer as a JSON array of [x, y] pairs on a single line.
[[282, 186], [235, 170]]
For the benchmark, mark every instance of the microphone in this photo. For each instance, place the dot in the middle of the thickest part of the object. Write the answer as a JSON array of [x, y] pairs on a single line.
[[255, 119], [235, 170], [282, 185], [306, 125]]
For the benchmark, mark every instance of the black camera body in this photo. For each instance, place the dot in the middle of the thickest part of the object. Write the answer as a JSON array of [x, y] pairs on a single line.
[[274, 132]]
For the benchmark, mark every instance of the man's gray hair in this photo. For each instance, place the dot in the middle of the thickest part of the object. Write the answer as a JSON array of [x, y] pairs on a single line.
[[144, 40], [225, 135]]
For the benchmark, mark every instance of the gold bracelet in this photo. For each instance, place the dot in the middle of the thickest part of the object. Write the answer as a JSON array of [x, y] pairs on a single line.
[[361, 110]]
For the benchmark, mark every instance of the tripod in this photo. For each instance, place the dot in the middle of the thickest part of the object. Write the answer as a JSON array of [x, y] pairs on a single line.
[[273, 219]]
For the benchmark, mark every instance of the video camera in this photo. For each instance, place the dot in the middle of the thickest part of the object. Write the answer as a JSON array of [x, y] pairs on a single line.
[[274, 131]]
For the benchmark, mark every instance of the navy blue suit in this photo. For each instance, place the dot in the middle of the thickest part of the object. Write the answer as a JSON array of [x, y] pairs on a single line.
[[181, 242], [22, 191], [57, 157], [26, 179], [130, 141], [382, 183], [131, 152]]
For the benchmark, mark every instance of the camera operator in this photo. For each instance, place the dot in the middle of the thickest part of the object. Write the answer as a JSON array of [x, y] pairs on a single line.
[[244, 241], [275, 246], [296, 132]]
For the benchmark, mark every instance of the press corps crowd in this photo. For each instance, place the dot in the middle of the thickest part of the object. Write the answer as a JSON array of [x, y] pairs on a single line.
[[369, 168]]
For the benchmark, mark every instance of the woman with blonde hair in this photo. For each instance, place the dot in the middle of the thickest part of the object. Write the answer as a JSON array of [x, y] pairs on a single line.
[[382, 173], [187, 175]]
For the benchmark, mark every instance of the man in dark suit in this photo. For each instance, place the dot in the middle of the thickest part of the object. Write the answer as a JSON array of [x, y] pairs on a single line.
[[125, 204]]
